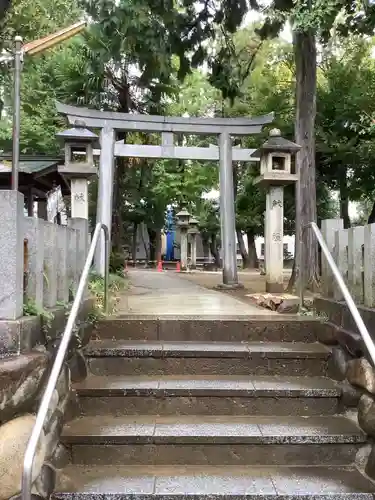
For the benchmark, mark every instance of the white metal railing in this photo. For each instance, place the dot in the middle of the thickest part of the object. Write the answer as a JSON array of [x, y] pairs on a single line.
[[60, 357], [344, 289]]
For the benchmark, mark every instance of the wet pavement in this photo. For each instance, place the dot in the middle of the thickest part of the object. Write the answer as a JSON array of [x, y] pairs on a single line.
[[166, 294]]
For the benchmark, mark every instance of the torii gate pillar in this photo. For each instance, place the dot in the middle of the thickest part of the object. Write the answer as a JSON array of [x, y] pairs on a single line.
[[227, 212], [105, 191]]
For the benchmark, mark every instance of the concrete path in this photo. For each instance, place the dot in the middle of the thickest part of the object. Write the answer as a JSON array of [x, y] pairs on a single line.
[[166, 294]]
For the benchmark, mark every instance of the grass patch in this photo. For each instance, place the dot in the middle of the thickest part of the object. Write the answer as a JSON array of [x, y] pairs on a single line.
[[116, 284]]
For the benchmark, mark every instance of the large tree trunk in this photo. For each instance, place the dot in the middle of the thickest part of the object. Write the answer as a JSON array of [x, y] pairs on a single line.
[[4, 6], [344, 195], [155, 244], [206, 247], [253, 258], [305, 60], [371, 217], [214, 250], [243, 251]]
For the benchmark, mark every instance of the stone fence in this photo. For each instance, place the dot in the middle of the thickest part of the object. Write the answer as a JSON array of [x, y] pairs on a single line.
[[41, 261], [354, 253]]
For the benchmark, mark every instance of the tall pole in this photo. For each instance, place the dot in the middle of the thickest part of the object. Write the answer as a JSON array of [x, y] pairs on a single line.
[[16, 111], [227, 212]]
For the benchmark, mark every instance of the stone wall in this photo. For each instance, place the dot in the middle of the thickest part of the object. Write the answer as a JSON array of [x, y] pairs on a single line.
[[41, 264], [352, 366]]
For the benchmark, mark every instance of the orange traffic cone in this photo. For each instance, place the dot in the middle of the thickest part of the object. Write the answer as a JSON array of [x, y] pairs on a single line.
[[160, 266], [178, 267]]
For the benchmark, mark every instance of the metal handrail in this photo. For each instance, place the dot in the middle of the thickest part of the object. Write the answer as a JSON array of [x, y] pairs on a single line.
[[370, 345], [60, 357]]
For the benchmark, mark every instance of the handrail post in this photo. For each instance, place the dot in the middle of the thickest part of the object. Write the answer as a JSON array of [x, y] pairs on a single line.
[[41, 415]]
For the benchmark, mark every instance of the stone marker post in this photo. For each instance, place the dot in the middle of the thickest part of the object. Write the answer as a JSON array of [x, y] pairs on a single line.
[[275, 173], [193, 231], [183, 223]]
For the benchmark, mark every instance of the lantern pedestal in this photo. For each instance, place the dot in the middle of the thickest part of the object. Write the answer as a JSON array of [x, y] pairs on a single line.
[[184, 248], [274, 238], [79, 189]]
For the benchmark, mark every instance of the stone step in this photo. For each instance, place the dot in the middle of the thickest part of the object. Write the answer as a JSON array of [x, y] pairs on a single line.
[[119, 357], [200, 483], [224, 329], [208, 395], [150, 440]]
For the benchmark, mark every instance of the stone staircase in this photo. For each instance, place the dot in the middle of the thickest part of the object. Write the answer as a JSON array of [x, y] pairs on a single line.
[[207, 408]]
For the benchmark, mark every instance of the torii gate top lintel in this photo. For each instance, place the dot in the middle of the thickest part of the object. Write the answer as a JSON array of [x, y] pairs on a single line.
[[154, 123]]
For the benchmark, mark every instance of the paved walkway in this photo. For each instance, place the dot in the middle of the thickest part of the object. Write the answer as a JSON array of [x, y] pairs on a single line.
[[166, 294]]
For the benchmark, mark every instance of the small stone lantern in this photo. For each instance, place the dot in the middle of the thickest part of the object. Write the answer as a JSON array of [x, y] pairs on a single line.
[[79, 165], [193, 231], [183, 223], [275, 172]]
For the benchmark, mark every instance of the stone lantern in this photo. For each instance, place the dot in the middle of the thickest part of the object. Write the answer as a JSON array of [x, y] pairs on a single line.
[[275, 172], [183, 217], [193, 231], [79, 165]]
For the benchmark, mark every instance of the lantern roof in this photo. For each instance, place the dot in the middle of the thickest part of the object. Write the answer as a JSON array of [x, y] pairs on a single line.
[[275, 143], [183, 213], [78, 133]]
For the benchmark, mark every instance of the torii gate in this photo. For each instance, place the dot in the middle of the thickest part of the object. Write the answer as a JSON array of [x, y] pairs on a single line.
[[167, 126]]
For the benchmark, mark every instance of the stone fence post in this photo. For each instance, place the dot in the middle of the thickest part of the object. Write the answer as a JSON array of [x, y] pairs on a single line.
[[50, 264], [341, 258], [34, 234], [11, 254], [356, 238], [62, 265], [369, 265], [329, 228]]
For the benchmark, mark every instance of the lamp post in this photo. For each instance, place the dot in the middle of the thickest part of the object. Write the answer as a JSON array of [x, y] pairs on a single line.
[[183, 223], [16, 111], [193, 231], [31, 48]]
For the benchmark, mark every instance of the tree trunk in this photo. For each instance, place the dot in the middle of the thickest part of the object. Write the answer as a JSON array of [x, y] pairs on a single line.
[[344, 195], [253, 258], [134, 242], [371, 217], [305, 60], [117, 222], [243, 251], [147, 249], [155, 244], [206, 248], [214, 250]]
